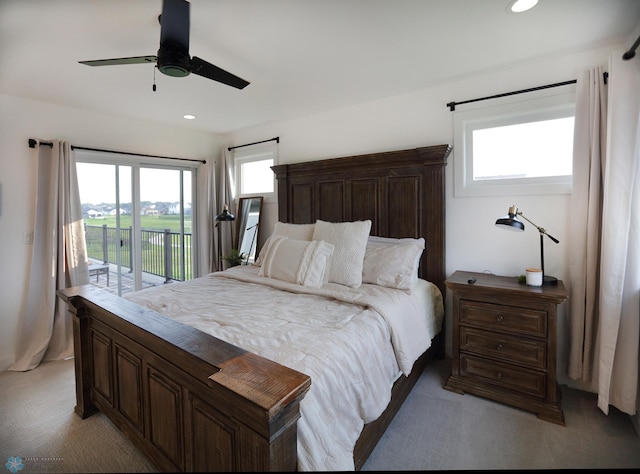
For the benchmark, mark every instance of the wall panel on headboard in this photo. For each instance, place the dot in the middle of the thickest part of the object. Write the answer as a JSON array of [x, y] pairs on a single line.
[[402, 192]]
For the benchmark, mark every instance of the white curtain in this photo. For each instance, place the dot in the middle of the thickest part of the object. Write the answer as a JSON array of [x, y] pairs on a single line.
[[209, 183], [59, 260], [585, 218], [220, 192], [219, 183], [227, 192], [618, 335]]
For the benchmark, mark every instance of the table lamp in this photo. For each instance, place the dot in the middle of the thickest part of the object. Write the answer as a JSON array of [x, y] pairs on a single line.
[[511, 222]]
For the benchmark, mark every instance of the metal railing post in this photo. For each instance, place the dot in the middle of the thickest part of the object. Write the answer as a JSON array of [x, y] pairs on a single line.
[[168, 264], [105, 245], [130, 249]]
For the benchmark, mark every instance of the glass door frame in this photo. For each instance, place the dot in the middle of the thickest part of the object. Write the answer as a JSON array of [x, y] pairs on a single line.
[[136, 164]]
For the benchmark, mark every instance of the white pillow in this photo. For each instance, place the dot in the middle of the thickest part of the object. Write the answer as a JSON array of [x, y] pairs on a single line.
[[375, 241], [350, 241], [392, 265], [293, 231], [297, 261]]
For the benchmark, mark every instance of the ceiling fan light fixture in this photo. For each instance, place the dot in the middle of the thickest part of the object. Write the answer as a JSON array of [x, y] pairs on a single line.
[[519, 6], [173, 71], [173, 63]]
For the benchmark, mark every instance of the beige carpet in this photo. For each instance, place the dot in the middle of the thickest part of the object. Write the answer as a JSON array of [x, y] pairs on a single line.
[[38, 424], [435, 430]]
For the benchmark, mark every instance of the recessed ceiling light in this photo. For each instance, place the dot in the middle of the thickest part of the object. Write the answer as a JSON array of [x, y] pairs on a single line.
[[519, 6], [190, 117]]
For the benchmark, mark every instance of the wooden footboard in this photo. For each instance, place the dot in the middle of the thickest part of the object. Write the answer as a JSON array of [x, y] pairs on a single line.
[[189, 401]]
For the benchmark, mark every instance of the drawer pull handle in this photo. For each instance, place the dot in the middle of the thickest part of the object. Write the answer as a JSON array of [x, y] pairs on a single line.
[[499, 347], [500, 318], [499, 375]]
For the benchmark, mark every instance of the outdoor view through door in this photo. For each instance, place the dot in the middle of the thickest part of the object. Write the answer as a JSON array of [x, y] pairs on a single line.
[[138, 223]]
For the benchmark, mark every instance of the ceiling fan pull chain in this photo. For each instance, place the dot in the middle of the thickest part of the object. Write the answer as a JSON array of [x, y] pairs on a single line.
[[154, 78]]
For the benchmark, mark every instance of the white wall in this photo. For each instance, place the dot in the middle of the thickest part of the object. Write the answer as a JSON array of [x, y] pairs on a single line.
[[21, 119], [421, 119]]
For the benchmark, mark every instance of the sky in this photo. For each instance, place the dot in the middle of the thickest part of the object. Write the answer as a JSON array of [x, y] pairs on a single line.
[[97, 183]]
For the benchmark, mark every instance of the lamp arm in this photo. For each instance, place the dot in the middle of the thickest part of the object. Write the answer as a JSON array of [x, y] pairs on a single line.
[[540, 229]]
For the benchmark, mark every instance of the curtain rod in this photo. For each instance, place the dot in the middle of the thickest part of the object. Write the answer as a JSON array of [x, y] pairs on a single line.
[[632, 51], [276, 139], [452, 105], [33, 143]]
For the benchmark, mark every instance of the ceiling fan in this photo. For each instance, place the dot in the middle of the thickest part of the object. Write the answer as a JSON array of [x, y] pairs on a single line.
[[173, 56]]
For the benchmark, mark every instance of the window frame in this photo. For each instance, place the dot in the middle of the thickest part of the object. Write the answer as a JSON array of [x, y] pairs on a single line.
[[250, 154], [136, 163], [509, 111]]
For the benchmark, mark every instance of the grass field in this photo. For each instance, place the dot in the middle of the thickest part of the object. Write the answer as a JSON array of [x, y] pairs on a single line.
[[147, 222]]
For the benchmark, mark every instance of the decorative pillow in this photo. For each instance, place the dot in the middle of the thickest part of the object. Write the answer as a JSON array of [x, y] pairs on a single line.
[[293, 231], [297, 261], [375, 241], [350, 241], [392, 265]]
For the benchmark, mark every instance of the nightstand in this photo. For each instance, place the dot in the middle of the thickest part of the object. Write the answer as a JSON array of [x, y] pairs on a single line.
[[504, 341]]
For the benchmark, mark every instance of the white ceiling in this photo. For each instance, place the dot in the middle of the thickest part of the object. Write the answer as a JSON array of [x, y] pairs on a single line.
[[301, 56]]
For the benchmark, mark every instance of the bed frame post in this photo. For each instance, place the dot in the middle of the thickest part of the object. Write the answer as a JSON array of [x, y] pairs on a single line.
[[81, 352]]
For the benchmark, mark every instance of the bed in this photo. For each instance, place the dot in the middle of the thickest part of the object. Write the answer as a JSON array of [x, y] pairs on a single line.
[[193, 401]]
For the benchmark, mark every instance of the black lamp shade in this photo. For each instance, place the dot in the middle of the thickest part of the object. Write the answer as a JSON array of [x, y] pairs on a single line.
[[225, 215], [511, 222]]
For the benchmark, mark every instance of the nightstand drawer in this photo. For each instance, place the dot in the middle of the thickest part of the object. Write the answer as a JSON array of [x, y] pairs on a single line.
[[518, 350], [505, 318], [503, 375]]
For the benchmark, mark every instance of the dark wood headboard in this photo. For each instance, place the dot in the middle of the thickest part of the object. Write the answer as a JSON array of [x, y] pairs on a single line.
[[402, 192]]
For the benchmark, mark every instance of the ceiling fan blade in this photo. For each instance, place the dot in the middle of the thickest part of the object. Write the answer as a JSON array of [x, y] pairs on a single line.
[[208, 70], [118, 61], [174, 25]]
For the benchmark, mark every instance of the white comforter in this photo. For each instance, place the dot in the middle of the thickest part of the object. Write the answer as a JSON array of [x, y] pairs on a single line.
[[334, 334]]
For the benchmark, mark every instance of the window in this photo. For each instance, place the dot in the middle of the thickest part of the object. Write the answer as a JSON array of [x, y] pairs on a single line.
[[254, 176], [523, 147], [138, 220]]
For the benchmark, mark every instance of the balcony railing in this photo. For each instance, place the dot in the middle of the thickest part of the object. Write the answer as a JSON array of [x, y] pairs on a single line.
[[163, 252]]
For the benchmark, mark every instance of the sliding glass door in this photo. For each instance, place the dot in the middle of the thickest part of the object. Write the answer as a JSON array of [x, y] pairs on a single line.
[[138, 222], [105, 195], [166, 223]]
